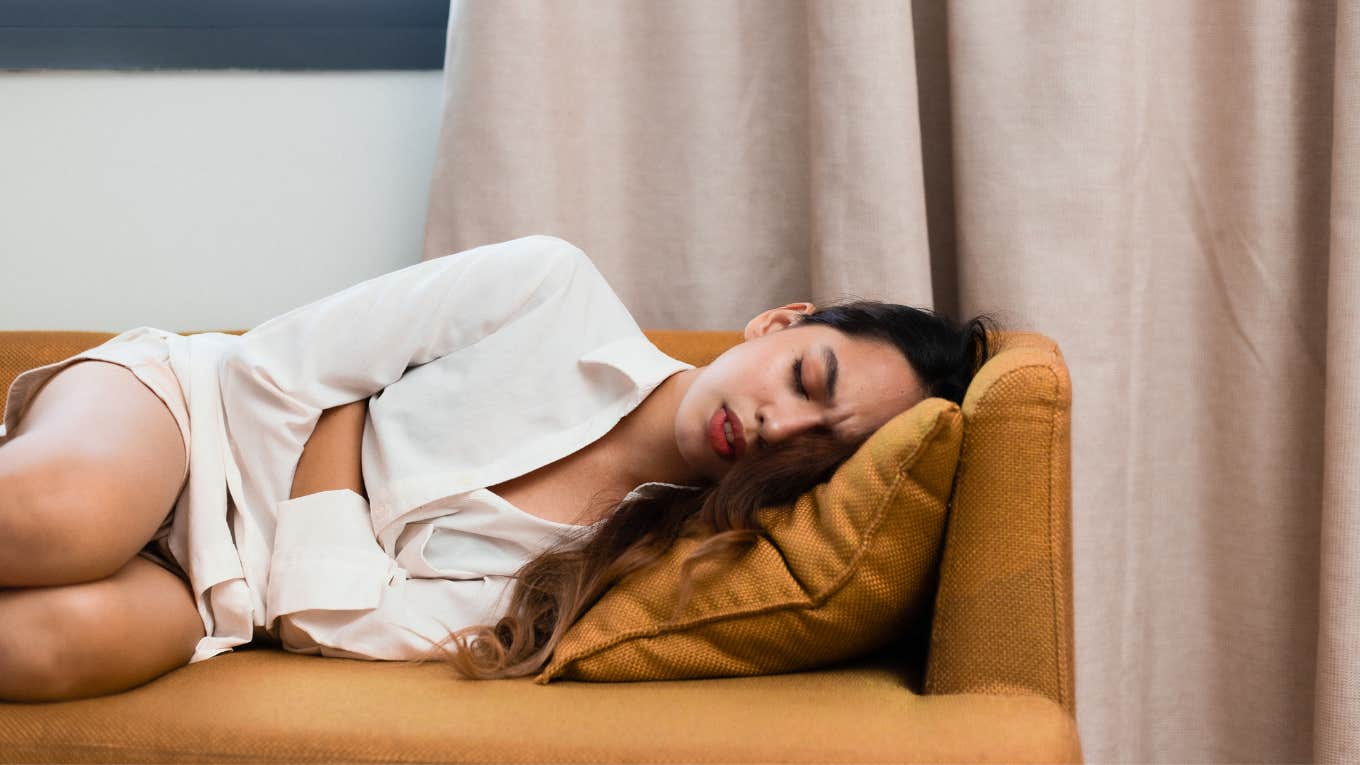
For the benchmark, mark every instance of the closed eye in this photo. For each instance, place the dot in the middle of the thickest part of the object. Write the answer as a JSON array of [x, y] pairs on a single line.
[[798, 378]]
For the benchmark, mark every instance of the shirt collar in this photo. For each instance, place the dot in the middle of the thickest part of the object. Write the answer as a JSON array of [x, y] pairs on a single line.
[[636, 357]]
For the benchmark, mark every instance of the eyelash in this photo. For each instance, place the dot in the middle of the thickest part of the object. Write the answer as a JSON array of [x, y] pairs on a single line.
[[797, 386]]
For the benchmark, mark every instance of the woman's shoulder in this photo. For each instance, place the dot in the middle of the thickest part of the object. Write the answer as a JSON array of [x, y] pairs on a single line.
[[564, 260], [540, 258], [537, 246]]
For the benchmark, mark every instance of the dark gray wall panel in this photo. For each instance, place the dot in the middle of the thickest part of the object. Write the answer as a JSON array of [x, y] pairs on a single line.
[[216, 34]]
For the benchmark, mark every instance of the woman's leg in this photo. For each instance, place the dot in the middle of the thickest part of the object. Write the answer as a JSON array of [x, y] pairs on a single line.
[[95, 638], [86, 478]]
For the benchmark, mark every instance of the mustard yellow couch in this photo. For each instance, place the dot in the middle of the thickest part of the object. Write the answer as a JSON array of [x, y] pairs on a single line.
[[989, 679]]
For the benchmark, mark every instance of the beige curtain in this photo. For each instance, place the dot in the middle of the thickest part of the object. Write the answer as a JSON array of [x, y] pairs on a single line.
[[1171, 190]]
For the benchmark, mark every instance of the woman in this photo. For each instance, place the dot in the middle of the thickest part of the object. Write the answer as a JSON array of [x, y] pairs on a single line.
[[463, 453]]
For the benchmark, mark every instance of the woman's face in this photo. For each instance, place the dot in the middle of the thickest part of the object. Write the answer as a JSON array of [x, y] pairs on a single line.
[[785, 380]]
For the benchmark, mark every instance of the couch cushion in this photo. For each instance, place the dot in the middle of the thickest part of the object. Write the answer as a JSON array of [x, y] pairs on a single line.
[[263, 705], [839, 573]]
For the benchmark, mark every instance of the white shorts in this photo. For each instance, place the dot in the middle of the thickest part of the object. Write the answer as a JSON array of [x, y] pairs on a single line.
[[146, 353]]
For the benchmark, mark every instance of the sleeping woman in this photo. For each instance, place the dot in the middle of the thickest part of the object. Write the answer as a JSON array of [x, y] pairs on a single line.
[[456, 458]]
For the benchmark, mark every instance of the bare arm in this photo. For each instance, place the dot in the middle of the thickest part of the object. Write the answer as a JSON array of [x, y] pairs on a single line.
[[330, 458]]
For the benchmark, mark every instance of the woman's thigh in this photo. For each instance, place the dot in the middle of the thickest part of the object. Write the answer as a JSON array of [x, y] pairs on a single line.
[[87, 477], [95, 638]]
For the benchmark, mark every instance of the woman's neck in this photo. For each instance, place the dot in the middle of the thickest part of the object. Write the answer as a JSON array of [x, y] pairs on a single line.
[[644, 440]]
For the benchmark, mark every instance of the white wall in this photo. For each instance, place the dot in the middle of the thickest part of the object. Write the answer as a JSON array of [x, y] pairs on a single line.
[[190, 200]]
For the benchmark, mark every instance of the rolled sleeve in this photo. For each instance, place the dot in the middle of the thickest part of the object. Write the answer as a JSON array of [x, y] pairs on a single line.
[[325, 556], [335, 592], [413, 617]]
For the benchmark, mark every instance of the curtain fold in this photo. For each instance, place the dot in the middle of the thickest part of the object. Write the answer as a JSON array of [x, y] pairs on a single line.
[[1144, 182], [716, 147], [1337, 694], [1167, 189]]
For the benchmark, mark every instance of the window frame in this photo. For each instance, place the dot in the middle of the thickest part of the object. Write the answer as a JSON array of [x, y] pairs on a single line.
[[223, 34]]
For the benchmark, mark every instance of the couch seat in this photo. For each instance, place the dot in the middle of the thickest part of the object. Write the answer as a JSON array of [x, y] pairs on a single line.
[[262, 704]]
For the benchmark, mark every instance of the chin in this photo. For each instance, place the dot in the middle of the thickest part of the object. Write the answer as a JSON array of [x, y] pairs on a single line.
[[705, 462], [696, 451]]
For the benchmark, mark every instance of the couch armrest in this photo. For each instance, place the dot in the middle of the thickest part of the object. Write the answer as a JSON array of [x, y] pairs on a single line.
[[1003, 611]]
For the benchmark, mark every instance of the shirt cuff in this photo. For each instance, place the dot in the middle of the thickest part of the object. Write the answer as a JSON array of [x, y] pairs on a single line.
[[326, 556]]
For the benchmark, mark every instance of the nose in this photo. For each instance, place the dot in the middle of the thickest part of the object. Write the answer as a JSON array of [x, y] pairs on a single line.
[[776, 424]]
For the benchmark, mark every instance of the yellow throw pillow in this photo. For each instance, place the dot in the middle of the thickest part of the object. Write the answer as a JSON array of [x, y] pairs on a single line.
[[841, 572]]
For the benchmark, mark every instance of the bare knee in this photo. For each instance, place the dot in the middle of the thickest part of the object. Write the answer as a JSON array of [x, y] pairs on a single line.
[[50, 532], [21, 525], [28, 671], [31, 654], [86, 484], [95, 638]]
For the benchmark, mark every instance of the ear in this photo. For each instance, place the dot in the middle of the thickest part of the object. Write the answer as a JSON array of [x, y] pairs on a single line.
[[776, 319]]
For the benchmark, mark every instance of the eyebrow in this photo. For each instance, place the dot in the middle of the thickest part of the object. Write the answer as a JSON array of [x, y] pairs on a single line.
[[832, 369]]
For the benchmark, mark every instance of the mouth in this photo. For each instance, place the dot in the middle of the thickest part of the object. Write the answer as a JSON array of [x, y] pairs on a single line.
[[726, 435]]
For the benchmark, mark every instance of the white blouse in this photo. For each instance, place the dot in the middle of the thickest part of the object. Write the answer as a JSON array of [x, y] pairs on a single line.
[[478, 367]]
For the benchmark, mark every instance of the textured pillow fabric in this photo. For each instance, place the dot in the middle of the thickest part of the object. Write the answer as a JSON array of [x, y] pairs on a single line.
[[841, 572]]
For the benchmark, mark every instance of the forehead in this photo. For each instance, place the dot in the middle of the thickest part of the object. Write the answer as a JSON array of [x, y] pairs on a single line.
[[874, 381]]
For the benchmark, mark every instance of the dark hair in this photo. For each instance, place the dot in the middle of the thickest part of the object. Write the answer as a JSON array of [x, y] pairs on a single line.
[[554, 590], [944, 353]]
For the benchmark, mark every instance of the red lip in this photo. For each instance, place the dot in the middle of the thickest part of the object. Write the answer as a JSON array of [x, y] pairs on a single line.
[[717, 439], [738, 433]]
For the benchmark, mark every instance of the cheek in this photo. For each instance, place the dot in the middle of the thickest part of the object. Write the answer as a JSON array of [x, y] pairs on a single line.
[[708, 388], [692, 416], [689, 413]]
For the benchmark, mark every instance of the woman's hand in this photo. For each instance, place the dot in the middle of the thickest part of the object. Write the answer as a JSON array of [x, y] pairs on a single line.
[[330, 458]]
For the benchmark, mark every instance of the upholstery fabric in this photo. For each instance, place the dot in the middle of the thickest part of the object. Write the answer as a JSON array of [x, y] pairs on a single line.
[[262, 705], [1005, 699], [839, 573], [998, 625]]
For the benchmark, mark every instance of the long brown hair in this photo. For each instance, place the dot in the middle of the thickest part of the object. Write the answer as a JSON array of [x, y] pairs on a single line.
[[551, 592], [555, 589]]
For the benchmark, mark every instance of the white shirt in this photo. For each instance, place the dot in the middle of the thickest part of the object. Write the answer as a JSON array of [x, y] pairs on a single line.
[[478, 367]]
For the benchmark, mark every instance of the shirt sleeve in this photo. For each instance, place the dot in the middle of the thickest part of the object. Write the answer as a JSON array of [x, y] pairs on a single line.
[[352, 344], [276, 379], [335, 592]]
